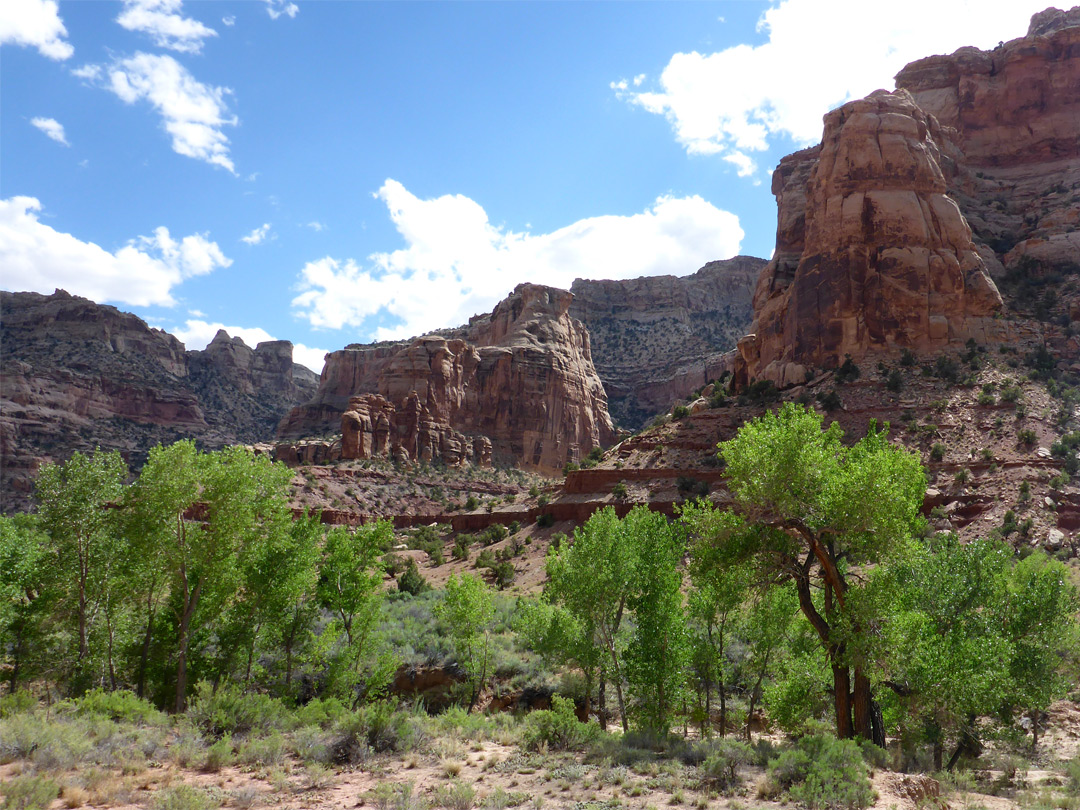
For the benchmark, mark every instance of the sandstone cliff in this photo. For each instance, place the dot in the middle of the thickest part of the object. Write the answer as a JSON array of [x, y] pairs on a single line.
[[656, 339], [516, 386], [75, 375], [890, 232]]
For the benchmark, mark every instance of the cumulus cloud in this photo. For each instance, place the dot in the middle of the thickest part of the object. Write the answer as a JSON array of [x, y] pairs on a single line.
[[51, 127], [197, 334], [162, 22], [143, 272], [281, 8], [316, 226], [193, 113], [737, 101], [455, 263], [35, 24], [258, 235]]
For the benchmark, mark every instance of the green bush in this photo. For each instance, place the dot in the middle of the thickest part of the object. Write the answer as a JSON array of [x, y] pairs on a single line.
[[545, 520], [848, 371], [379, 726], [411, 580], [122, 706], [895, 381], [680, 412], [720, 767], [230, 711], [471, 503], [619, 490], [824, 773], [184, 797], [558, 728], [28, 792], [937, 452], [17, 703], [1026, 436]]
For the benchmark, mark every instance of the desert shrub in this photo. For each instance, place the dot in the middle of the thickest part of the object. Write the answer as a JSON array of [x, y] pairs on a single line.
[[937, 452], [946, 368], [379, 726], [824, 773], [619, 490], [680, 412], [219, 755], [230, 711], [558, 728], [461, 547], [471, 503], [28, 792], [494, 533], [1011, 394], [184, 797], [514, 527], [760, 392], [1026, 436], [17, 703], [907, 359], [262, 751], [848, 371], [720, 767], [830, 400], [455, 796], [502, 575], [894, 381], [545, 520], [962, 476], [569, 467], [122, 706], [689, 486], [411, 580], [986, 399]]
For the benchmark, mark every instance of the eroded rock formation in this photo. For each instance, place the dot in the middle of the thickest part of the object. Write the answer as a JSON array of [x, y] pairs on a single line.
[[656, 339], [516, 386], [75, 375], [891, 231]]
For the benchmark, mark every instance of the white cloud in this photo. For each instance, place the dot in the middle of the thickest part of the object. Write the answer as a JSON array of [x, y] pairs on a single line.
[[258, 235], [456, 263], [39, 258], [35, 24], [281, 8], [191, 112], [162, 22], [51, 127], [316, 226], [197, 334], [817, 56], [230, 20]]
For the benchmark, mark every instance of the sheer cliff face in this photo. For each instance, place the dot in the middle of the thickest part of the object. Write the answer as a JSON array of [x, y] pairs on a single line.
[[75, 375], [1014, 112], [517, 386], [891, 231], [657, 338]]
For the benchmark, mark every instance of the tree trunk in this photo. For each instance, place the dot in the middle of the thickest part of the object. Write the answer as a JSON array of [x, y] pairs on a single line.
[[842, 698], [861, 709], [181, 666], [723, 707], [1035, 716], [939, 753], [602, 699]]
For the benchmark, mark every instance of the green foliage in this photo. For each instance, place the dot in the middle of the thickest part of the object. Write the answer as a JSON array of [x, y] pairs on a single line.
[[184, 797], [122, 706], [228, 711], [471, 503], [721, 766], [848, 371], [937, 452], [28, 792], [557, 728], [411, 581], [680, 412], [466, 612], [824, 774], [1026, 436], [894, 381]]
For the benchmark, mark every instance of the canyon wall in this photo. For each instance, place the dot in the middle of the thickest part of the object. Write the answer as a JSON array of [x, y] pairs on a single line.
[[516, 386], [75, 375]]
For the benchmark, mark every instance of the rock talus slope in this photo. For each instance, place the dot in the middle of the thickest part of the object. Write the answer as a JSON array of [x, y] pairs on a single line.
[[516, 386], [75, 375]]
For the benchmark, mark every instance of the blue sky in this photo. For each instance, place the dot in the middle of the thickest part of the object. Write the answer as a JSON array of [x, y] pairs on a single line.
[[336, 172]]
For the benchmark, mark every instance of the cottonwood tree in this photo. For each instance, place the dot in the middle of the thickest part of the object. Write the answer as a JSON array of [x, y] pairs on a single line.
[[202, 513], [659, 649], [74, 500], [593, 579], [28, 579], [350, 588], [466, 612], [808, 509]]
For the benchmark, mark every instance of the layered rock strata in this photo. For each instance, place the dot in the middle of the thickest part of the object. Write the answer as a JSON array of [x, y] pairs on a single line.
[[657, 338], [75, 375], [517, 386], [890, 232]]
